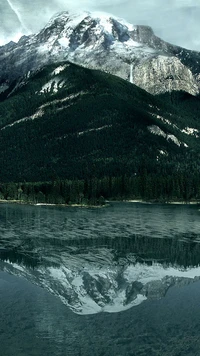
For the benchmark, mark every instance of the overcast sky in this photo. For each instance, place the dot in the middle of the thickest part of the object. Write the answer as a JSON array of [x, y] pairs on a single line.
[[176, 21]]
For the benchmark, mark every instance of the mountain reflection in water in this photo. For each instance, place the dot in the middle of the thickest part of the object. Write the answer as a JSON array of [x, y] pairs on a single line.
[[108, 259]]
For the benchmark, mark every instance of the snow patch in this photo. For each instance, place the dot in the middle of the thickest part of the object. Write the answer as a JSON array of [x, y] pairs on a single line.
[[64, 41], [164, 153], [92, 130], [145, 274], [132, 43], [53, 85], [173, 139], [118, 304], [38, 113], [163, 119], [91, 284], [105, 22], [59, 69], [191, 131], [156, 131]]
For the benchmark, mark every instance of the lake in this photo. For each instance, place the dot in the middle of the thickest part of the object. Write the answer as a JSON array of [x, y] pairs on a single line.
[[123, 280]]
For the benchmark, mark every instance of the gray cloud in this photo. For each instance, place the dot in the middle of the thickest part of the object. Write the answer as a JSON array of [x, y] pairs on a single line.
[[176, 21]]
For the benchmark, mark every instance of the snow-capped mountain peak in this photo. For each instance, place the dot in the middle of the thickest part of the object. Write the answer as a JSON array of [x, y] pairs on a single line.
[[103, 19], [102, 285], [99, 40], [87, 30]]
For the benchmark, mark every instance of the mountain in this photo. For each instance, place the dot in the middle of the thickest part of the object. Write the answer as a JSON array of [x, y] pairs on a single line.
[[105, 286], [99, 41], [69, 122], [90, 278]]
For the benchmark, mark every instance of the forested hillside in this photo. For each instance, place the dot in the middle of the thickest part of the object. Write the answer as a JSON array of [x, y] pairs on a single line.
[[89, 134]]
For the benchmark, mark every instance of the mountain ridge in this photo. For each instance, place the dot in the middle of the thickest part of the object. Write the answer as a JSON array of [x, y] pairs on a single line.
[[87, 134], [101, 41], [99, 281]]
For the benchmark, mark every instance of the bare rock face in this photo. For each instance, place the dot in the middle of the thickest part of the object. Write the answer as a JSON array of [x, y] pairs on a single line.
[[164, 74], [99, 41], [103, 286]]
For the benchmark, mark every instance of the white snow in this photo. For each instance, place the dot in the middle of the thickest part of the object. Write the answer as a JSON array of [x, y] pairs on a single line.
[[163, 119], [18, 267], [64, 41], [54, 84], [76, 18], [38, 113], [156, 130], [190, 131], [118, 303], [59, 69], [105, 22], [164, 153], [104, 18], [145, 274], [132, 43], [142, 273], [95, 129], [88, 306], [103, 25], [130, 26], [48, 46], [67, 281], [174, 139], [186, 130]]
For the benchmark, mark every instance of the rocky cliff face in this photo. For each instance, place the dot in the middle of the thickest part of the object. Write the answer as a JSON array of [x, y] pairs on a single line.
[[104, 284], [97, 40], [163, 74]]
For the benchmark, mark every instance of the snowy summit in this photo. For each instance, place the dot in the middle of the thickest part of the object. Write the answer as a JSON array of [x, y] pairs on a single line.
[[99, 40]]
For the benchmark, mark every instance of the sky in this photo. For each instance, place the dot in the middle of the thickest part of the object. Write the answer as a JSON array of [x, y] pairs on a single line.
[[175, 21]]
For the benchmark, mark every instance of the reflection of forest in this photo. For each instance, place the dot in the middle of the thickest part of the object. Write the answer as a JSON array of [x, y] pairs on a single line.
[[13, 256], [172, 251]]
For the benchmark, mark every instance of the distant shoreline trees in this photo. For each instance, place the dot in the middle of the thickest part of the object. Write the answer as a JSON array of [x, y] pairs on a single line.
[[95, 191]]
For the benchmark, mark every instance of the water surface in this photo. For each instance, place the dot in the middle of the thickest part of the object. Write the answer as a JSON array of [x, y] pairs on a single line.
[[121, 280]]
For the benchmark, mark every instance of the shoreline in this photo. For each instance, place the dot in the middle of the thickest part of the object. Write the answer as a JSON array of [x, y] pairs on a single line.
[[21, 202], [140, 201], [192, 202]]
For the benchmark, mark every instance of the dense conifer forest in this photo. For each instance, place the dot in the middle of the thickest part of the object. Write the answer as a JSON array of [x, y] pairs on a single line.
[[81, 136]]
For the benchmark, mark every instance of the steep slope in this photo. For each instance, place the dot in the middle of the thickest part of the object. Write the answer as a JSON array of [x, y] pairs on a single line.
[[100, 41], [67, 121], [106, 286], [89, 277]]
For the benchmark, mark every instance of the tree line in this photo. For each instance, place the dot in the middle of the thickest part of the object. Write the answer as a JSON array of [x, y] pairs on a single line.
[[94, 191]]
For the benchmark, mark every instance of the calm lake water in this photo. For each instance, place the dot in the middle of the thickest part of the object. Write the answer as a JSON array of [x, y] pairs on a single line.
[[117, 281]]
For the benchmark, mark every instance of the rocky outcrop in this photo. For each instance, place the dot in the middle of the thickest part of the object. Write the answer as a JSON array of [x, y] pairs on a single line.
[[164, 74], [106, 286], [103, 42]]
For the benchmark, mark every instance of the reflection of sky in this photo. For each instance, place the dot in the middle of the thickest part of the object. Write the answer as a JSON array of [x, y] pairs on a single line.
[[176, 21]]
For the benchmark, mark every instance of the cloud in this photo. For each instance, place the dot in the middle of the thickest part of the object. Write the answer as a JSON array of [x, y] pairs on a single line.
[[176, 21]]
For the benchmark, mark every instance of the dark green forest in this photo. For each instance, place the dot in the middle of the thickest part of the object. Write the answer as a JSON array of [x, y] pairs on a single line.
[[95, 191], [85, 138]]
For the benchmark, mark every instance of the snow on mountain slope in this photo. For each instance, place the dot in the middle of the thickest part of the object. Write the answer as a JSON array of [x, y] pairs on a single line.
[[93, 283], [102, 41]]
